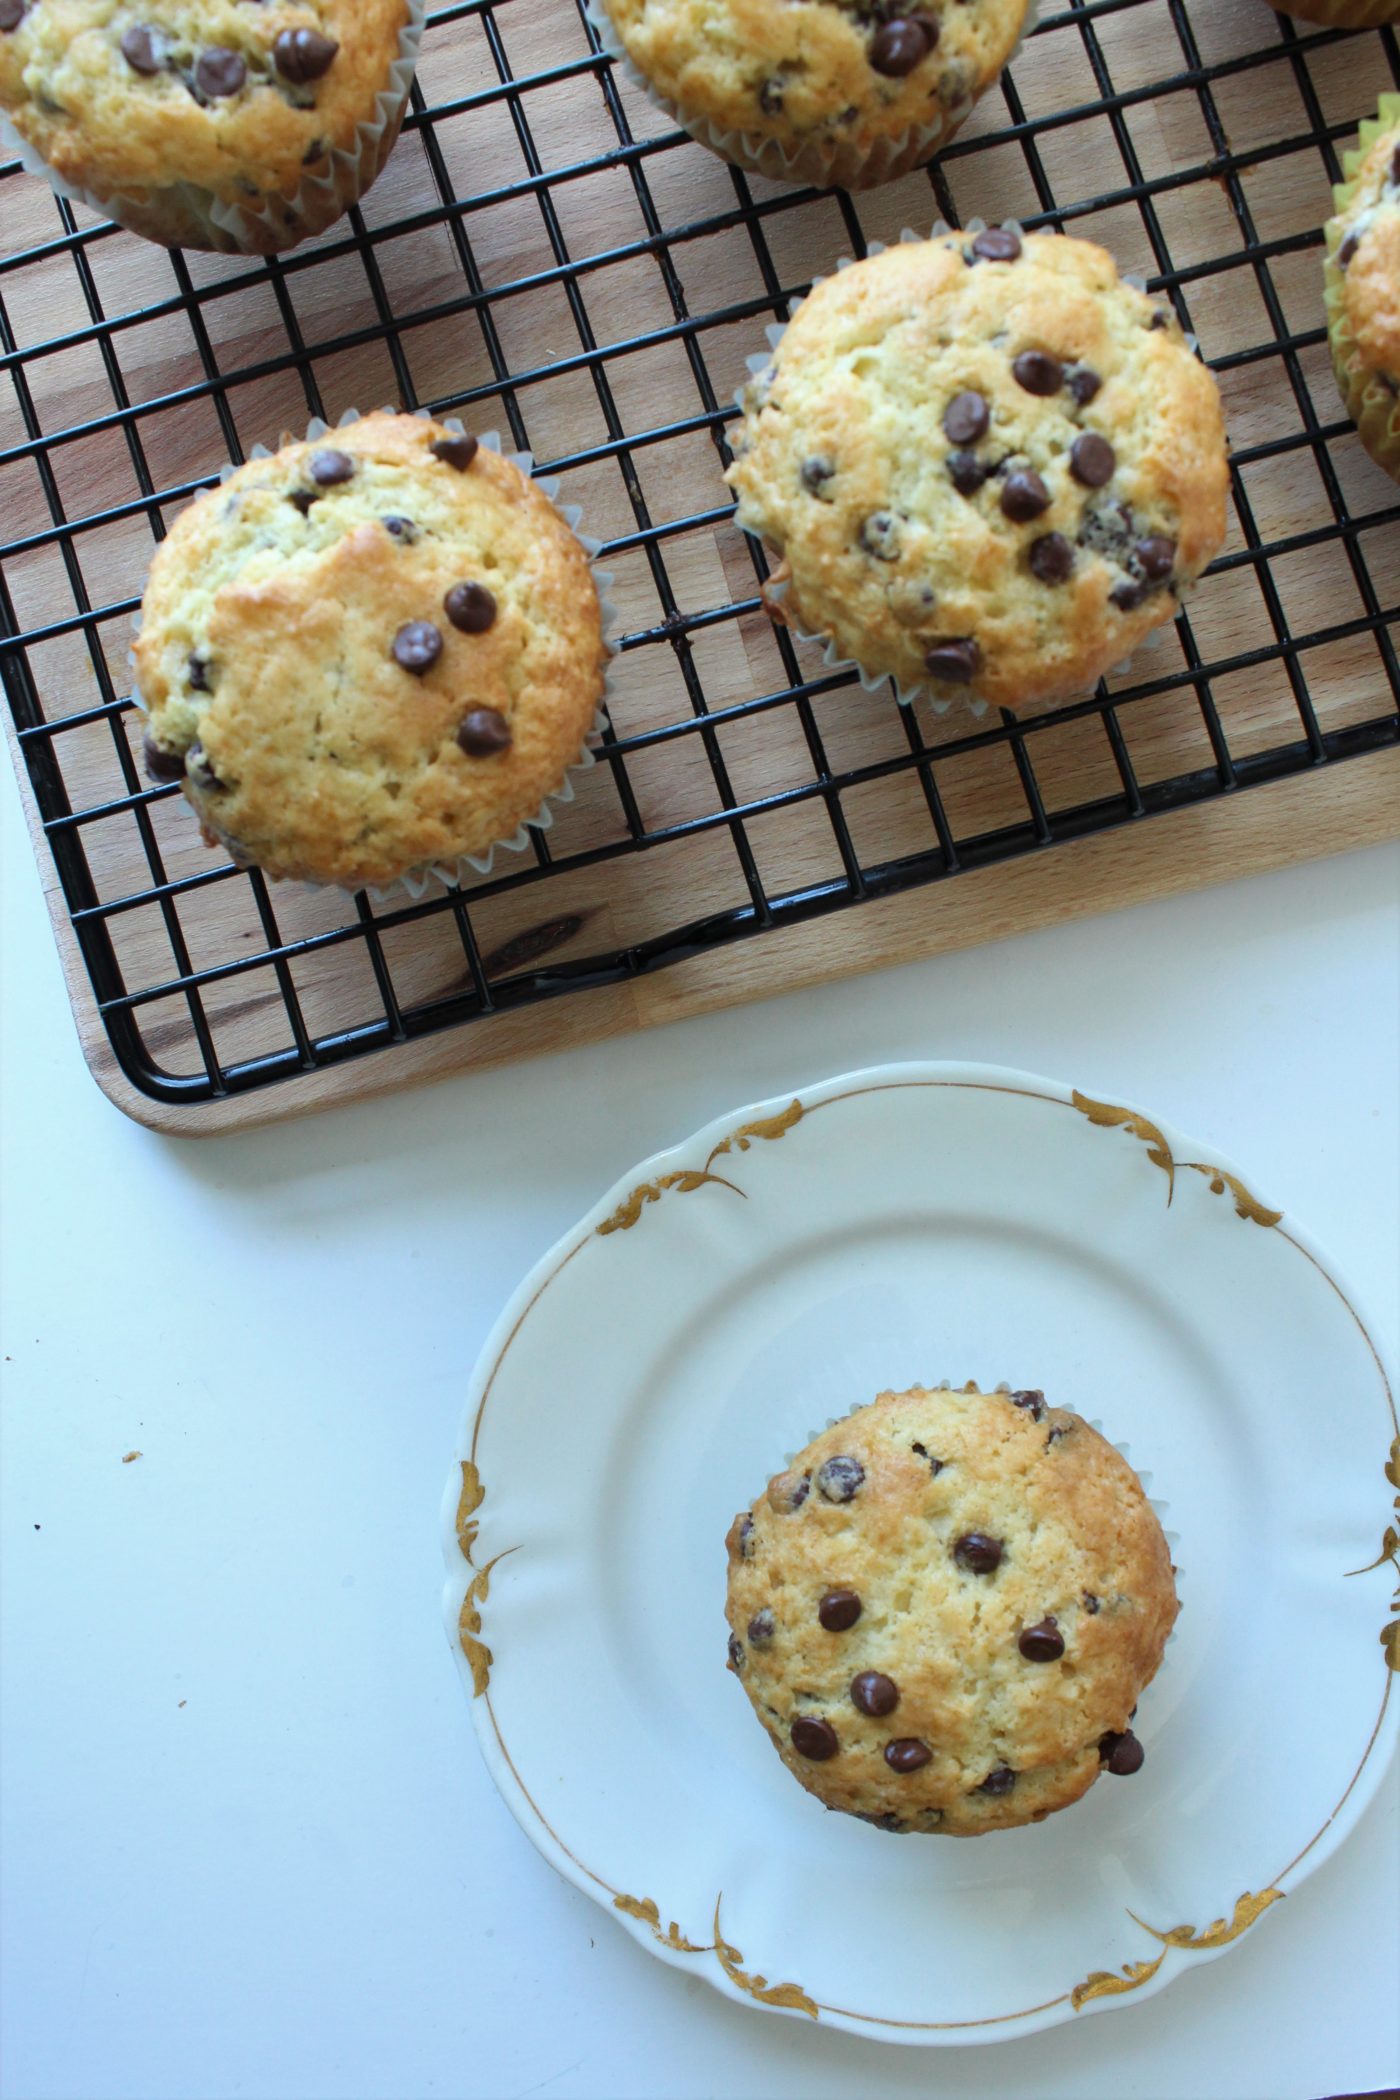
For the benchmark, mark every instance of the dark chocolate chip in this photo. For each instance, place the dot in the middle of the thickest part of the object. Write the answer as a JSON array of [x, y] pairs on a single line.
[[302, 500], [1051, 557], [736, 1652], [839, 1478], [813, 1738], [159, 763], [1348, 249], [12, 13], [817, 472], [1000, 1781], [873, 1693], [317, 150], [1058, 1430], [746, 1538], [935, 1465], [1038, 372], [770, 96], [402, 529], [417, 647], [899, 46], [1090, 1602], [1127, 596], [907, 1754], [791, 1499], [955, 663], [997, 244], [484, 733], [978, 1553], [457, 450], [880, 535], [143, 49], [201, 772], [197, 671], [1092, 460], [1108, 530], [302, 55], [1083, 382], [1043, 1643], [219, 73], [470, 607], [1160, 319], [967, 472], [839, 1610], [761, 1627], [1032, 1401], [329, 468], [1154, 556], [1024, 496], [884, 1821], [965, 419], [1121, 1752]]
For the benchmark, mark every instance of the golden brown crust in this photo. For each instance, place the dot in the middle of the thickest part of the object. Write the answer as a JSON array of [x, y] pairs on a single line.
[[319, 756], [108, 129], [1079, 1544], [862, 380]]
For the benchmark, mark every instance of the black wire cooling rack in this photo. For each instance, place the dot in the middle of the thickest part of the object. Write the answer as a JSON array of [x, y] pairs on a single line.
[[547, 253]]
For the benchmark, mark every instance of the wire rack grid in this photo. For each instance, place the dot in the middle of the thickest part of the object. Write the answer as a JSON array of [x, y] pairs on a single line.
[[548, 254]]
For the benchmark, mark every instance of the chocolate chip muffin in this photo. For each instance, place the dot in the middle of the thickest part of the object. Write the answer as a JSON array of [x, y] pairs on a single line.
[[989, 465], [1362, 277], [945, 1610], [823, 91], [372, 652], [210, 123]]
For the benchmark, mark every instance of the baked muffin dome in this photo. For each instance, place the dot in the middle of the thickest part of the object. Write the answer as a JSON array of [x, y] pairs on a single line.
[[1363, 286]]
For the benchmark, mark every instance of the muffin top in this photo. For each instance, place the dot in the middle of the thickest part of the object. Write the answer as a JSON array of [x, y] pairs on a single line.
[[369, 652], [1364, 243], [986, 461], [804, 69], [945, 1609], [237, 100]]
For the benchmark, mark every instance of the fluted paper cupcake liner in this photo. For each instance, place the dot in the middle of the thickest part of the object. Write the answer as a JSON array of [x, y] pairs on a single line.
[[1373, 408], [827, 164], [414, 882], [183, 215]]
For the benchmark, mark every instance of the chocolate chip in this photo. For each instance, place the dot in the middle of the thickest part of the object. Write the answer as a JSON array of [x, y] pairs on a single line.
[[997, 244], [1043, 1643], [1083, 382], [302, 500], [1160, 319], [955, 663], [1127, 596], [907, 1754], [761, 1627], [935, 1464], [884, 1821], [1000, 1781], [965, 419], [159, 763], [329, 468], [1394, 175], [901, 45], [1108, 530], [302, 55], [788, 1494], [978, 1553], [1348, 249], [1038, 372], [736, 1652], [201, 772], [484, 733], [1154, 556], [839, 1478], [967, 472], [817, 472], [873, 1693], [1032, 1401], [470, 607], [880, 535], [1051, 557], [1092, 460], [746, 1538], [1090, 1602], [219, 73], [402, 529], [1024, 496], [12, 13], [770, 96], [813, 1738], [1121, 1752], [197, 671], [417, 647], [1058, 1430], [143, 49], [457, 450], [839, 1610]]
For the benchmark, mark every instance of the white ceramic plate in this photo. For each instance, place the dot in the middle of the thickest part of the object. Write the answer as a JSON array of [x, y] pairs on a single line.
[[924, 1223]]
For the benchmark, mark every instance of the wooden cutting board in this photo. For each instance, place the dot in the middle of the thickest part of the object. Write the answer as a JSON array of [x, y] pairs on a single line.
[[678, 564]]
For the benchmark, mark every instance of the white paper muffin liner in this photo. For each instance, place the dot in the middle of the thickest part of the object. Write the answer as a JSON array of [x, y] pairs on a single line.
[[939, 703], [827, 164], [183, 215], [414, 882]]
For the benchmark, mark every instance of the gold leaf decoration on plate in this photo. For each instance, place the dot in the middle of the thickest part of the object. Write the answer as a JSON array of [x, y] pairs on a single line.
[[1158, 1150], [690, 1178], [1107, 1983], [731, 1961], [479, 1657], [644, 1908], [1390, 1552], [1246, 1206], [468, 1502]]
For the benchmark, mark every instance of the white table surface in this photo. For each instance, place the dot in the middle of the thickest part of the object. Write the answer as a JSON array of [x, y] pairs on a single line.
[[249, 1848]]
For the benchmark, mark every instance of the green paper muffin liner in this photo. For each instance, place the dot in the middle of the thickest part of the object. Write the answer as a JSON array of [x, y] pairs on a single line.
[[1373, 408]]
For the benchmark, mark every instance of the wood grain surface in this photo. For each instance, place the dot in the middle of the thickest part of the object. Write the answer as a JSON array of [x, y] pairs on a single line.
[[481, 284]]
